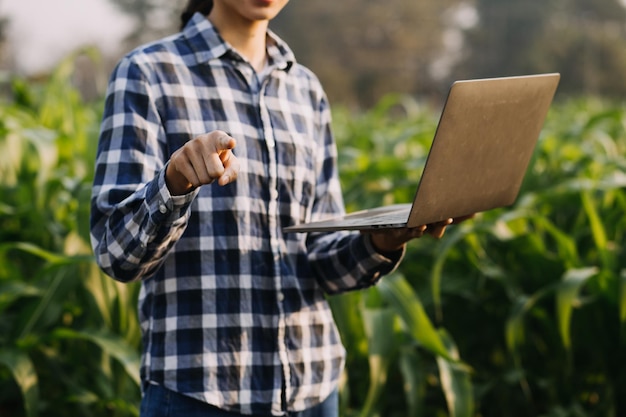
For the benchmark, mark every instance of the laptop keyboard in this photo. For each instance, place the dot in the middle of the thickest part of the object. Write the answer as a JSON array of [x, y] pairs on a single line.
[[379, 217]]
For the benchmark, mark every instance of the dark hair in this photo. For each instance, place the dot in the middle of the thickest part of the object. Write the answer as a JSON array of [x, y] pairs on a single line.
[[202, 6]]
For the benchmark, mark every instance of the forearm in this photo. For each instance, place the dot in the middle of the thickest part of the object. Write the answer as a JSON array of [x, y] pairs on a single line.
[[350, 262]]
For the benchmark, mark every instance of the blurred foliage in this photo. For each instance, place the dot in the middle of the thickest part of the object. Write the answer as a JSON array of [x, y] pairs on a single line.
[[585, 40], [69, 335], [153, 18], [534, 295], [519, 312], [365, 50]]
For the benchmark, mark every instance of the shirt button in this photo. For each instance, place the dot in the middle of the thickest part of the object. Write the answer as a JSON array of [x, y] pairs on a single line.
[[274, 194], [281, 297], [162, 208]]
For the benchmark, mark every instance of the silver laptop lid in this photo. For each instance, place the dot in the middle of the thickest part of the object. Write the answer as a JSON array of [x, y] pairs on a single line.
[[483, 144]]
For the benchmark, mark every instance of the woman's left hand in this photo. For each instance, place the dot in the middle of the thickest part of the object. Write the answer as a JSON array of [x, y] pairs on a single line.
[[392, 240]]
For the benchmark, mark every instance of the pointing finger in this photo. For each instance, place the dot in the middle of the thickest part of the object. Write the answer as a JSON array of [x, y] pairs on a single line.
[[224, 142]]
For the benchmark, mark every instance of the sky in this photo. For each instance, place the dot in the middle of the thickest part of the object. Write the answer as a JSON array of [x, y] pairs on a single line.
[[42, 32]]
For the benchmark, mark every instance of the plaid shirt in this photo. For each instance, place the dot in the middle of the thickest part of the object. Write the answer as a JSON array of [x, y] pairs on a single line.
[[233, 311]]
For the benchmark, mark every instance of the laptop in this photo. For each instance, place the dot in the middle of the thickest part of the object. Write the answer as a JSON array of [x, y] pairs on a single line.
[[478, 158]]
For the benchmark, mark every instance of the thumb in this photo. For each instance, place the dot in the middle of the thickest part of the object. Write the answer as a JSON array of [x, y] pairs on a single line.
[[231, 169]]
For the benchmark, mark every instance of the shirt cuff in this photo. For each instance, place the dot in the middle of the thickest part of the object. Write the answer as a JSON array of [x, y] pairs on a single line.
[[394, 257], [165, 207], [378, 264]]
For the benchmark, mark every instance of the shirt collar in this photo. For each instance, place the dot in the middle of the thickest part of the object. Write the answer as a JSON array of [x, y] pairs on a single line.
[[207, 44]]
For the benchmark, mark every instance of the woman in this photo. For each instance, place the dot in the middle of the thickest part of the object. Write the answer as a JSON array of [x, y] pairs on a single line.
[[212, 141]]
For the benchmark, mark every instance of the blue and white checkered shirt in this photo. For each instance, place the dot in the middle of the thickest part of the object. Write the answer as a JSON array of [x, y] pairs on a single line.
[[233, 311]]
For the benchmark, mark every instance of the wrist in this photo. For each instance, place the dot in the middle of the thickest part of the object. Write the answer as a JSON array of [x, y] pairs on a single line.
[[176, 183], [381, 245]]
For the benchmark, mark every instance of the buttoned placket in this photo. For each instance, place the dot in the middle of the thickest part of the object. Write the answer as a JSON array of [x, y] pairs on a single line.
[[270, 142]]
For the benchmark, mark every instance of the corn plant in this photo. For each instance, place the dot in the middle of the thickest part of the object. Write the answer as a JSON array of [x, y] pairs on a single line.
[[68, 334], [530, 299], [519, 312]]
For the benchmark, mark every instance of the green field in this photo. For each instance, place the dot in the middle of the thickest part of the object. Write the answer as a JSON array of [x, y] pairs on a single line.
[[518, 312]]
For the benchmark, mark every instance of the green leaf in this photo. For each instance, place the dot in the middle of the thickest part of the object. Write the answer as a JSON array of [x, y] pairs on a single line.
[[111, 344], [407, 304], [455, 381], [414, 379], [48, 256], [566, 245], [597, 231], [566, 295], [622, 296], [14, 290], [521, 305], [453, 237], [379, 327], [349, 320], [23, 372]]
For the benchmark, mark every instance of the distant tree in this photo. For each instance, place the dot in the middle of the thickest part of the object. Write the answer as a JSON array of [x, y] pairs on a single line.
[[363, 50], [4, 58], [585, 40], [153, 18]]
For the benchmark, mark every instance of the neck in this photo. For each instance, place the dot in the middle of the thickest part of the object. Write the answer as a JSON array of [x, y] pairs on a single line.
[[247, 37]]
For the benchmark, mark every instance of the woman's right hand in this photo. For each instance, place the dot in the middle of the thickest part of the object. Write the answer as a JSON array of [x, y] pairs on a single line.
[[201, 161]]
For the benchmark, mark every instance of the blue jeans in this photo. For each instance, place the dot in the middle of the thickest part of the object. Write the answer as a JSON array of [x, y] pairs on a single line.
[[161, 402]]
